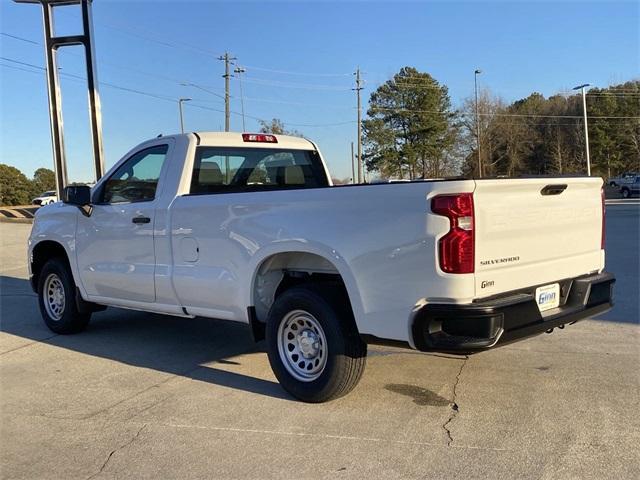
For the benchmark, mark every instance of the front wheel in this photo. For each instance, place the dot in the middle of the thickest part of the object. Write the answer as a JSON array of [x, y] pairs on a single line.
[[626, 193], [313, 344], [56, 298]]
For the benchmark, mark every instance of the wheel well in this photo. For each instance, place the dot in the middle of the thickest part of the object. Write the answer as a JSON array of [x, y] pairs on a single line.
[[284, 270], [41, 253]]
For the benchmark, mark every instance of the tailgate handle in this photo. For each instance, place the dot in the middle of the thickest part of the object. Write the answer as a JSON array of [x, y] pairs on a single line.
[[553, 189]]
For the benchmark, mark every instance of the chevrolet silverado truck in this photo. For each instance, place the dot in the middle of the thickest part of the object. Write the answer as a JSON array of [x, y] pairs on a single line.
[[248, 227]]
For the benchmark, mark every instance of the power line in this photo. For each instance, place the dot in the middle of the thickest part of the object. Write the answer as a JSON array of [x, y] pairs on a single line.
[[110, 64], [305, 74], [80, 77], [15, 37], [308, 86], [170, 99], [40, 69], [453, 113], [200, 87]]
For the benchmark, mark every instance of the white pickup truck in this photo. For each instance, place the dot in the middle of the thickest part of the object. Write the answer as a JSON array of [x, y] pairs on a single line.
[[248, 227]]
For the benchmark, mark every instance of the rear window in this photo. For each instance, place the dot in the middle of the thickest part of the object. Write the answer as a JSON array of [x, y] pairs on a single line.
[[220, 170]]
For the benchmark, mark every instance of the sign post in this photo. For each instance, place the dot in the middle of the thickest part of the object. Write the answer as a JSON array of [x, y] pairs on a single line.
[[52, 44]]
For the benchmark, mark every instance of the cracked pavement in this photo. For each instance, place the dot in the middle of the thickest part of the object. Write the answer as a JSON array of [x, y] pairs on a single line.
[[149, 396]]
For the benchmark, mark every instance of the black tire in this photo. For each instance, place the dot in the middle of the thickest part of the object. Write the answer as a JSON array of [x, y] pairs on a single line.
[[626, 193], [612, 184], [345, 351], [56, 277]]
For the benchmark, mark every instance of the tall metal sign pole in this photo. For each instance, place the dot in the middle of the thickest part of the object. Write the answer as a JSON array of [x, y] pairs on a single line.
[[52, 44]]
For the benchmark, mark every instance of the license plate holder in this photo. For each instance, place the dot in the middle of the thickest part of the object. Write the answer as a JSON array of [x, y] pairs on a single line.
[[548, 297]]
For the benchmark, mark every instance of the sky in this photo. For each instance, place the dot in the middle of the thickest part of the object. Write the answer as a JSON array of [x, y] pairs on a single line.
[[299, 59]]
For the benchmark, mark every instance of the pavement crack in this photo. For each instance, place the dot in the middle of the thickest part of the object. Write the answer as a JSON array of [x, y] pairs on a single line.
[[112, 453], [454, 405]]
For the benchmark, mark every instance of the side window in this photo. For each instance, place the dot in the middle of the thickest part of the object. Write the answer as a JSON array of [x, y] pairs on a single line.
[[136, 180]]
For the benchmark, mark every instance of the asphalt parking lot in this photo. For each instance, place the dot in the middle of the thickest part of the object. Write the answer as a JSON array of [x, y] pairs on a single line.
[[149, 396]]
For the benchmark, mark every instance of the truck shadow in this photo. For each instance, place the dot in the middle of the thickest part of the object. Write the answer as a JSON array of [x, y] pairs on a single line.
[[185, 347]]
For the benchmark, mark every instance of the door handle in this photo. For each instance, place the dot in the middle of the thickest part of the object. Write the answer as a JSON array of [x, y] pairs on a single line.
[[553, 189], [140, 219]]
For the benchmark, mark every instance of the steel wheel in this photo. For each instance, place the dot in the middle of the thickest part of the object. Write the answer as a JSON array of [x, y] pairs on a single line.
[[302, 345], [54, 297]]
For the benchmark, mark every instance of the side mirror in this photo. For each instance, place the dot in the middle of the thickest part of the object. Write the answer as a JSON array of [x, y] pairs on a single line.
[[79, 195]]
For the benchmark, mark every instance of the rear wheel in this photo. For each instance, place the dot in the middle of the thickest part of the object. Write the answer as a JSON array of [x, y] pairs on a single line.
[[56, 298], [626, 193], [313, 344]]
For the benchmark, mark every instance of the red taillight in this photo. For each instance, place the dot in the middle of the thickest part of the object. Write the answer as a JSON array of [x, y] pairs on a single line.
[[602, 236], [259, 137], [456, 248]]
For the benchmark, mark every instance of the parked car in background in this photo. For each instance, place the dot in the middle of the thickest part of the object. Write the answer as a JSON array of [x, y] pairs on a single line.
[[45, 198], [623, 179], [631, 188]]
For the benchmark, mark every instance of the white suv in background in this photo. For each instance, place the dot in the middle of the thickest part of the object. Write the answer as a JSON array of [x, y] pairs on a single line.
[[45, 198]]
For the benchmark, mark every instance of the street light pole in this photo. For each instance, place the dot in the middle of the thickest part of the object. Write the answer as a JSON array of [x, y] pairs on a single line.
[[475, 81], [586, 128], [240, 71], [353, 166], [180, 102], [357, 89]]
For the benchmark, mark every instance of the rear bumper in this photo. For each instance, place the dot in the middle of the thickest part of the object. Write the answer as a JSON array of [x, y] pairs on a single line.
[[508, 318]]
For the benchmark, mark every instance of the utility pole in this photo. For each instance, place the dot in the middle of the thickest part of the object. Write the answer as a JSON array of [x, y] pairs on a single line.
[[475, 81], [353, 166], [357, 89], [227, 61], [586, 129], [240, 71], [180, 102]]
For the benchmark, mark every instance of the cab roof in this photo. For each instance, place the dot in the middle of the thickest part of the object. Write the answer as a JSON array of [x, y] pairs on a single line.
[[235, 139]]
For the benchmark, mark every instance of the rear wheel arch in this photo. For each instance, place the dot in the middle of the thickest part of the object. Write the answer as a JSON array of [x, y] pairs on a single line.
[[281, 271]]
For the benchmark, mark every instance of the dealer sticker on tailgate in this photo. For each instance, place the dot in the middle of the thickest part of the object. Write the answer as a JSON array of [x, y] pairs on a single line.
[[548, 296]]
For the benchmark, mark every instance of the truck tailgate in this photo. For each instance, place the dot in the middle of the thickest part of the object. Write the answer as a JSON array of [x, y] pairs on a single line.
[[535, 231]]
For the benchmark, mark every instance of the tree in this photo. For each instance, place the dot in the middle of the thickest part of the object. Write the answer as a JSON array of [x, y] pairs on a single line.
[[43, 180], [614, 141], [15, 187], [409, 132], [276, 127], [537, 135], [489, 107]]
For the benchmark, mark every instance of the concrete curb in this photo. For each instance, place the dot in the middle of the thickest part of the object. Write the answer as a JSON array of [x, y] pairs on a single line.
[[18, 213]]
